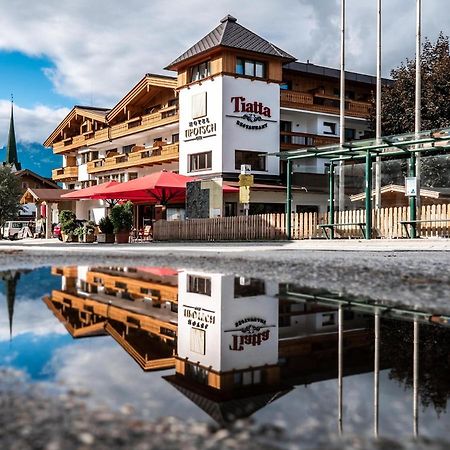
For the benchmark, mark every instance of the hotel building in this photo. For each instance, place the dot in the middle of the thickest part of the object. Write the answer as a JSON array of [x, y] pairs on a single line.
[[236, 99]]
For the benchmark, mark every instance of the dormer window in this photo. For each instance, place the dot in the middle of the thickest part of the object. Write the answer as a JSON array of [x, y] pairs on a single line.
[[200, 71], [256, 69]]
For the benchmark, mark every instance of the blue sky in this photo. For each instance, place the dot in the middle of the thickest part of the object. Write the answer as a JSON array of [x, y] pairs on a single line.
[[56, 54], [24, 76]]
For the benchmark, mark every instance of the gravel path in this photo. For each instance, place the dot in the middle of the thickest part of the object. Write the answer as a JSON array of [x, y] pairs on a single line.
[[31, 419]]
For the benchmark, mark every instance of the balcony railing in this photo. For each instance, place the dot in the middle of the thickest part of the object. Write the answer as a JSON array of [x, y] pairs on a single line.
[[323, 103], [142, 123], [65, 173], [291, 140], [144, 157]]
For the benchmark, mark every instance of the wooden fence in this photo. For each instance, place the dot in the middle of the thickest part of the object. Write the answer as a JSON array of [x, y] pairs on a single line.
[[386, 224]]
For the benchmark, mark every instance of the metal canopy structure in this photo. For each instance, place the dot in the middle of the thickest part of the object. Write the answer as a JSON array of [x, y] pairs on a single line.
[[403, 146]]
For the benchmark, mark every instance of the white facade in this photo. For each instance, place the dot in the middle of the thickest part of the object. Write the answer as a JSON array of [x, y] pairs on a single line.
[[223, 331], [231, 112]]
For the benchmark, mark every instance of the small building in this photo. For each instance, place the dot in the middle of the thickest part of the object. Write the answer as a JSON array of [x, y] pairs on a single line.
[[394, 195]]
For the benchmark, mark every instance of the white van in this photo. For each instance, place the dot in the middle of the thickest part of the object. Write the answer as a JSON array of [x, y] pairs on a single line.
[[12, 228]]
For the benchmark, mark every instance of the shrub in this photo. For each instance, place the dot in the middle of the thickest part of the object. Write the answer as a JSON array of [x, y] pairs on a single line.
[[106, 225], [122, 217], [65, 216], [69, 226]]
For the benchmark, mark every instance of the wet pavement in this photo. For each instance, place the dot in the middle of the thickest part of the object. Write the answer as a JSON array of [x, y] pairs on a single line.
[[214, 359]]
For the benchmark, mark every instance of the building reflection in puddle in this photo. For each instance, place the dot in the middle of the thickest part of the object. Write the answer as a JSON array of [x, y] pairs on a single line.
[[238, 344]]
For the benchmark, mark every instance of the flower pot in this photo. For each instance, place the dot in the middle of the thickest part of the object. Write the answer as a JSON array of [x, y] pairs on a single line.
[[122, 237], [105, 238], [69, 237], [89, 238]]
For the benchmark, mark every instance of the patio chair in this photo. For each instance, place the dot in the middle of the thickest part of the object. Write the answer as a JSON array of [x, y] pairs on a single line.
[[147, 235]]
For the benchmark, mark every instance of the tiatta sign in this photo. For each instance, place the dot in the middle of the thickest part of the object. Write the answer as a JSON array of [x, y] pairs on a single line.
[[251, 114]]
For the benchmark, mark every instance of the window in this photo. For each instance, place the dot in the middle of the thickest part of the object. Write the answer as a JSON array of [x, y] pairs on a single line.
[[199, 105], [199, 285], [286, 86], [329, 128], [350, 134], [132, 176], [127, 148], [200, 161], [175, 138], [196, 373], [255, 159], [248, 287], [328, 319], [285, 125], [197, 341], [251, 68], [200, 71]]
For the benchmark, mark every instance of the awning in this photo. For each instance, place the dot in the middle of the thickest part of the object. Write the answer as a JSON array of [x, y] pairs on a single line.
[[90, 192], [159, 188]]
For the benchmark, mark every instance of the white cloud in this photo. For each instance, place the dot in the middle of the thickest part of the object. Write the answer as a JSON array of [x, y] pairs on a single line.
[[30, 317], [31, 124], [100, 49], [101, 367]]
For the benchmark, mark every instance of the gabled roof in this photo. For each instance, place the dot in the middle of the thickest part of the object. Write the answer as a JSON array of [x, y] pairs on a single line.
[[30, 173], [44, 195], [232, 35], [228, 408], [436, 193], [90, 112], [149, 81]]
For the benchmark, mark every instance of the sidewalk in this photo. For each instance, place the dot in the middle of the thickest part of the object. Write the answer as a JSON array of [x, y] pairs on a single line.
[[379, 245]]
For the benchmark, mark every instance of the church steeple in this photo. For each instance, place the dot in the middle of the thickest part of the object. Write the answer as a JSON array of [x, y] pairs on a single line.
[[11, 147]]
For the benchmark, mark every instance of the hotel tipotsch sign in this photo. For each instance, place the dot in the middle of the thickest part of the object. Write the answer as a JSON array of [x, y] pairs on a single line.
[[199, 129], [251, 331], [251, 115]]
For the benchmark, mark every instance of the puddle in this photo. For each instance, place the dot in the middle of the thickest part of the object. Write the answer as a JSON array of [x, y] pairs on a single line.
[[219, 347]]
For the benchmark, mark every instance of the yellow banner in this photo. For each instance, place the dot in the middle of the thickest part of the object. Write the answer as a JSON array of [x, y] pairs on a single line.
[[244, 194], [246, 180]]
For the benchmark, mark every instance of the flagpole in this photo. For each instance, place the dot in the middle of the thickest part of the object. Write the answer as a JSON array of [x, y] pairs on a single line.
[[378, 131], [418, 100], [342, 111]]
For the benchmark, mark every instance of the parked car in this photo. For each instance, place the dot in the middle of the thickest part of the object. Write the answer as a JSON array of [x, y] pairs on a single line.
[[57, 231], [12, 228]]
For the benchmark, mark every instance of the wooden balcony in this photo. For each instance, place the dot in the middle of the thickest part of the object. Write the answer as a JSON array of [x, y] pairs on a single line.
[[145, 157], [136, 125], [290, 140], [65, 174], [323, 103], [66, 271]]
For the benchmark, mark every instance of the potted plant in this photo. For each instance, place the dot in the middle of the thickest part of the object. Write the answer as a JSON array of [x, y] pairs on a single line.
[[68, 223], [86, 232], [122, 220], [106, 235]]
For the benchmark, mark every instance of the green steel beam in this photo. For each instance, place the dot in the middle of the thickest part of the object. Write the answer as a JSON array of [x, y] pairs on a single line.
[[288, 199], [331, 199], [412, 199], [368, 177]]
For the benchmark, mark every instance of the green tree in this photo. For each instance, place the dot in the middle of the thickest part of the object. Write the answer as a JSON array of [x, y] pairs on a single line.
[[398, 105], [10, 194]]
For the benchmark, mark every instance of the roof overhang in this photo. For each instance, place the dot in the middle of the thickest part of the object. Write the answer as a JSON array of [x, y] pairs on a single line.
[[91, 113]]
